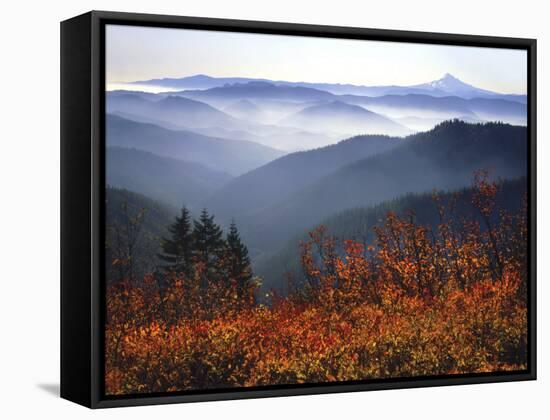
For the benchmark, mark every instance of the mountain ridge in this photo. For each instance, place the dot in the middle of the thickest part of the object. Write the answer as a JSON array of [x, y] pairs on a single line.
[[207, 82], [232, 156], [357, 223], [339, 116], [265, 185], [443, 158]]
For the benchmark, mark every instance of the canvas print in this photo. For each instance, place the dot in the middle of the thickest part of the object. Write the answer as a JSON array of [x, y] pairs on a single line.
[[286, 210]]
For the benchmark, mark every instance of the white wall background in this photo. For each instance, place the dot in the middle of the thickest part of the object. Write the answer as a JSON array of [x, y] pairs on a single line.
[[29, 230]]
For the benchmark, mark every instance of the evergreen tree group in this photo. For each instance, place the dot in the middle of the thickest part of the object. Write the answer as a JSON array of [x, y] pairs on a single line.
[[223, 260]]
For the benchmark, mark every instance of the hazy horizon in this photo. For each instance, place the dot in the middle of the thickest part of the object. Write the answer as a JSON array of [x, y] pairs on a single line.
[[142, 53]]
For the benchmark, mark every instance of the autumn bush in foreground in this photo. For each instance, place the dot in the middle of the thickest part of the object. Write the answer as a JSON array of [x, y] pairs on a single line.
[[417, 302]]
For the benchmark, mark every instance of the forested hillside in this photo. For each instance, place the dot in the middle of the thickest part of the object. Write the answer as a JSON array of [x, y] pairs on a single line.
[[444, 158], [279, 179], [358, 224]]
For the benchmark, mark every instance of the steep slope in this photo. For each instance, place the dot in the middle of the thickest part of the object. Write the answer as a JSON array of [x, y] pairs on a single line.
[[271, 183], [443, 158], [338, 116], [169, 180], [357, 224], [231, 156]]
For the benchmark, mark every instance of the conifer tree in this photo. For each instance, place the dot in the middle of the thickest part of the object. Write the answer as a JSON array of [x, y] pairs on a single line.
[[208, 242], [177, 251], [238, 262]]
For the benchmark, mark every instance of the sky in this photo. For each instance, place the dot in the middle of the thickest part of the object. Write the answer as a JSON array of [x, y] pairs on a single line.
[[141, 53]]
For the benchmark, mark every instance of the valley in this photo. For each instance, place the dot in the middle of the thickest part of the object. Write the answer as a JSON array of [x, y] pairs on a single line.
[[278, 158]]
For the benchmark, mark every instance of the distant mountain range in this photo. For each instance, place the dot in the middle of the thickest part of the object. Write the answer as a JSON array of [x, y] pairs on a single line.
[[181, 113], [232, 156], [340, 117], [448, 85], [258, 110], [175, 110], [259, 90], [443, 108]]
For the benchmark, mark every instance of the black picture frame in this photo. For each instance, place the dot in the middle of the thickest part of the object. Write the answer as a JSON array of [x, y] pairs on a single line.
[[82, 211]]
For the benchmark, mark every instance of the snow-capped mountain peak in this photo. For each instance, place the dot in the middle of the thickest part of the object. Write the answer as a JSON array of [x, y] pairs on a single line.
[[447, 80], [452, 85]]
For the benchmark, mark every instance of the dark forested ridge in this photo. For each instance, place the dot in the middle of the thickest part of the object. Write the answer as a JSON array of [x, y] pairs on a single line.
[[443, 158], [166, 179], [282, 177], [358, 223]]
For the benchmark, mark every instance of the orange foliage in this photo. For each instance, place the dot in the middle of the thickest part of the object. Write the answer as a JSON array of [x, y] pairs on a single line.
[[417, 303]]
